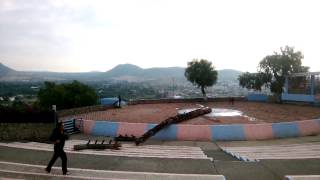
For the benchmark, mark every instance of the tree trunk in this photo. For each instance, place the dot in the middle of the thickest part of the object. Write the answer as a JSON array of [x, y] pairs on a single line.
[[204, 93]]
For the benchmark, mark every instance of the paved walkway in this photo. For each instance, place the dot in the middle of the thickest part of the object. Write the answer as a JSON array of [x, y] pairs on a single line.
[[9, 169], [289, 151], [127, 150], [220, 164]]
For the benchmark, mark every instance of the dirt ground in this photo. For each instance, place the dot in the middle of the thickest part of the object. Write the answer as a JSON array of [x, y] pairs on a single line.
[[253, 112]]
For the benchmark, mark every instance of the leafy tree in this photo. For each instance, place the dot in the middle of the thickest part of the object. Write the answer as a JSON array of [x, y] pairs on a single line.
[[65, 96], [273, 69], [253, 81], [201, 73]]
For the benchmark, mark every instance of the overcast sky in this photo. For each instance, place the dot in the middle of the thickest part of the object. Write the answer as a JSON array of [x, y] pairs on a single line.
[[76, 35]]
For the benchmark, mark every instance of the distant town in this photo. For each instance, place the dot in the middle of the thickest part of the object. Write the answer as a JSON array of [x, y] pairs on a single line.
[[129, 81]]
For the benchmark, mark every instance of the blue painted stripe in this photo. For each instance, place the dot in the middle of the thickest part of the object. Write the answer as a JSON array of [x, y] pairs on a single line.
[[103, 128], [298, 97], [287, 129], [169, 133], [227, 132], [257, 97]]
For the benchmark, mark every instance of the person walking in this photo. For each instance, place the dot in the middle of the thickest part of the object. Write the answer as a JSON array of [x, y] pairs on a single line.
[[58, 137]]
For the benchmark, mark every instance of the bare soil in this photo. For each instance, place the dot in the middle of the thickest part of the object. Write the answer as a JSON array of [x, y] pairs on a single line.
[[253, 113]]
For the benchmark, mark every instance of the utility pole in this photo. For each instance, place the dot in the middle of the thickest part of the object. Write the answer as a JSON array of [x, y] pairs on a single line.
[[54, 108], [173, 88]]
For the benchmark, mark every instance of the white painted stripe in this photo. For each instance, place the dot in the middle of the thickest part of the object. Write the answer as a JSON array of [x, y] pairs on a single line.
[[302, 177], [108, 153], [284, 157], [124, 152], [295, 151], [280, 153], [71, 143], [109, 171], [159, 147], [57, 175], [272, 148], [252, 157], [264, 146]]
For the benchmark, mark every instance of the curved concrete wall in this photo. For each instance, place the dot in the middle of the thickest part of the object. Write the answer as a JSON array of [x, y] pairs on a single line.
[[230, 132]]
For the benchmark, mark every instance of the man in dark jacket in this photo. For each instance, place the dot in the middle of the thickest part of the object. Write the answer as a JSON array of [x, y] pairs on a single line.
[[58, 138]]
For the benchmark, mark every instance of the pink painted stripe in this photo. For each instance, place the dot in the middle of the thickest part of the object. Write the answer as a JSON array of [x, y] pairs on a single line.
[[309, 127], [194, 132], [136, 129], [88, 126], [258, 131]]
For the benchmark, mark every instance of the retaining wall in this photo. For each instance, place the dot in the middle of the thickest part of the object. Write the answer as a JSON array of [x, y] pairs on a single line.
[[39, 132], [189, 100], [230, 132], [257, 97]]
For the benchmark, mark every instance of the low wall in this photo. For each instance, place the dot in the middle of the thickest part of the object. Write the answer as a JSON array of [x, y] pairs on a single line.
[[39, 132], [298, 97], [191, 100], [257, 97], [230, 132]]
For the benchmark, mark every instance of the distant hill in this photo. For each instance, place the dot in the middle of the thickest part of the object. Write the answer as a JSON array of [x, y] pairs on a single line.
[[228, 74], [4, 70], [130, 71], [121, 72], [124, 69]]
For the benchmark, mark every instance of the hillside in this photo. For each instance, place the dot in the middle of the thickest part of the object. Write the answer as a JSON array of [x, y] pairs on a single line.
[[4, 70], [122, 72]]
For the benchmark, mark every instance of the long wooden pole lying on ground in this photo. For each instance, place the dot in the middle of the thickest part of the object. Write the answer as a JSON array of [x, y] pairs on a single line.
[[172, 120]]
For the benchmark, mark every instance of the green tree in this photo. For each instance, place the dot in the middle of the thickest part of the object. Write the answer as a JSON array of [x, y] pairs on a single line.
[[254, 81], [201, 73], [65, 96], [273, 69]]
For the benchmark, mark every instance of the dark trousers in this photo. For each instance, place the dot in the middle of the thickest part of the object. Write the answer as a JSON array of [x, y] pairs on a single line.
[[58, 153]]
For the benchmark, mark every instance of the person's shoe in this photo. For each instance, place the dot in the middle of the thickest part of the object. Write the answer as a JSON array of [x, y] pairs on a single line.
[[47, 170], [66, 173]]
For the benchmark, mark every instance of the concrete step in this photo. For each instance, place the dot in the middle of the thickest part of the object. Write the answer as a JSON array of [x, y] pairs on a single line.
[[302, 177], [290, 151]]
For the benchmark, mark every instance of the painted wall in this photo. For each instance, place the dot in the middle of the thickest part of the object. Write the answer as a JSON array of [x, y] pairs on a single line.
[[257, 97], [229, 132], [298, 97]]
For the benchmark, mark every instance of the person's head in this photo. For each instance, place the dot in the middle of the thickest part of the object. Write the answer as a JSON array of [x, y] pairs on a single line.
[[60, 126]]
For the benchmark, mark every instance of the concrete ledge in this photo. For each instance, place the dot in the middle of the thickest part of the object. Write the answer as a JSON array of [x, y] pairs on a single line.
[[26, 131], [303, 177], [189, 100], [228, 132], [287, 129]]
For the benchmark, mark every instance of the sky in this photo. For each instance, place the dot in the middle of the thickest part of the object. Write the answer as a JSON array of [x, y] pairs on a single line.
[[96, 35]]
